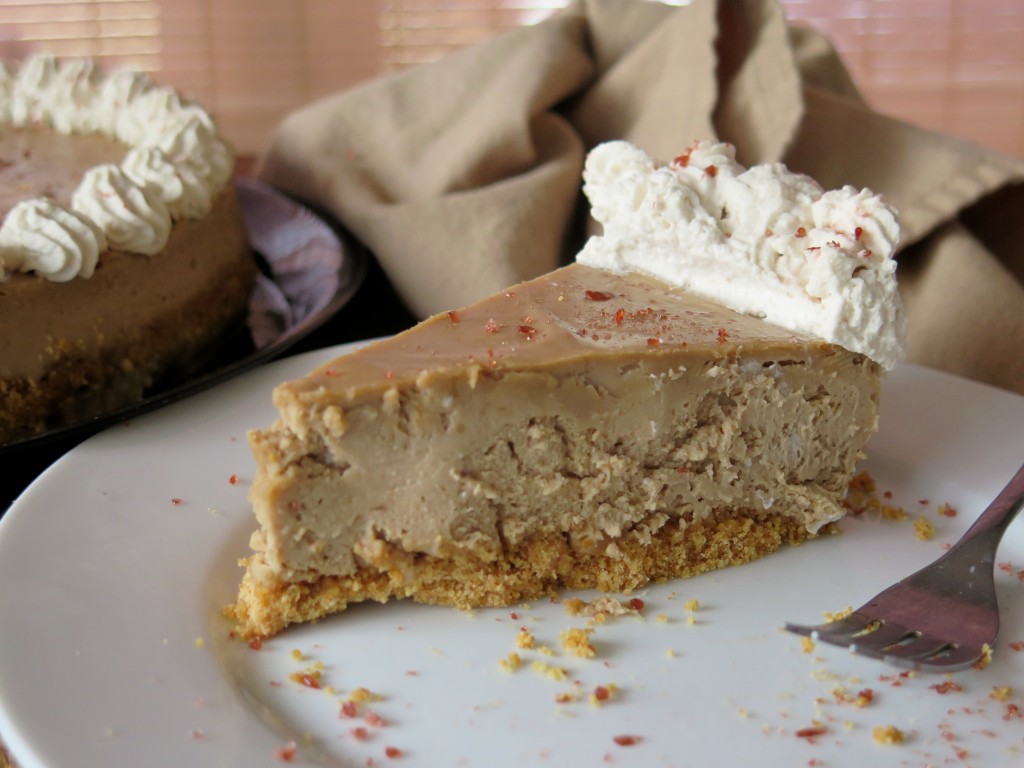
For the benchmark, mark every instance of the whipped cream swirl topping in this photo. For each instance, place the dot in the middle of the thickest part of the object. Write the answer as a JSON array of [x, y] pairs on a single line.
[[762, 241], [175, 167]]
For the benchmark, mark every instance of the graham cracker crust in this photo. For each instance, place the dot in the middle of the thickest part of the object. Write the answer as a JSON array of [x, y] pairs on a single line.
[[539, 566]]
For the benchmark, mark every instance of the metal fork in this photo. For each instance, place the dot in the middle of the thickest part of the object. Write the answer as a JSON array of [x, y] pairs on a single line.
[[942, 618]]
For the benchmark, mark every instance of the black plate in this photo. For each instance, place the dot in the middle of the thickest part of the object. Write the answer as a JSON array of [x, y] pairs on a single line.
[[309, 271]]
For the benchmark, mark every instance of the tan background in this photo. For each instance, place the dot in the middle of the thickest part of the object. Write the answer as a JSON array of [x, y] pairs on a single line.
[[950, 65]]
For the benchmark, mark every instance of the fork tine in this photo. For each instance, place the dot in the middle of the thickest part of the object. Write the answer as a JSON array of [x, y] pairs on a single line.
[[953, 660], [847, 626], [887, 633], [918, 649]]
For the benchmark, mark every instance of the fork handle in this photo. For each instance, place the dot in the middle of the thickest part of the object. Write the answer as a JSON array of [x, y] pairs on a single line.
[[1000, 513]]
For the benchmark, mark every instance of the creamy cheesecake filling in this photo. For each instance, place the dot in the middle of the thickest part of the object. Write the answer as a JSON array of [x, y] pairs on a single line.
[[622, 437]]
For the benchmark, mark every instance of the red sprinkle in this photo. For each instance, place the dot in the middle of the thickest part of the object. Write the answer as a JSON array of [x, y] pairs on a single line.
[[372, 718], [620, 315], [348, 709], [857, 232], [256, 643], [513, 615], [176, 501], [233, 479], [453, 316], [360, 733], [801, 232], [810, 733], [601, 693], [528, 331], [945, 687], [711, 171], [392, 752], [625, 740], [723, 335], [683, 160], [309, 680], [286, 753], [1018, 645], [653, 342], [636, 604], [597, 295]]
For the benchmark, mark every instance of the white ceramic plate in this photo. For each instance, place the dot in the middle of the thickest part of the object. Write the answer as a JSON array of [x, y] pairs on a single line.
[[113, 651]]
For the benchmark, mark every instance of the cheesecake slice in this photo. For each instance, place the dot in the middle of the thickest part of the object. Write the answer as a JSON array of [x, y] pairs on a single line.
[[692, 393], [582, 430]]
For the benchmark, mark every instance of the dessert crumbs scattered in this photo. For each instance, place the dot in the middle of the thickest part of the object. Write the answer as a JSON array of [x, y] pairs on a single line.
[[256, 643], [525, 639], [549, 670], [511, 662], [661, 618], [692, 605], [200, 642], [839, 614], [297, 655], [310, 678], [945, 510], [888, 734], [923, 529], [364, 695], [373, 719], [860, 699], [945, 687], [890, 512], [1000, 692], [603, 607], [807, 645], [986, 657], [1017, 645], [577, 642]]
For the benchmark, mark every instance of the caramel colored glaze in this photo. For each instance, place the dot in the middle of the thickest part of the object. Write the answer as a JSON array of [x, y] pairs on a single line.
[[559, 318], [44, 163], [75, 349]]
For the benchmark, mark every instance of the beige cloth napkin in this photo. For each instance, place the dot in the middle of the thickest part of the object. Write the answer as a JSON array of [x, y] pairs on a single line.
[[463, 175]]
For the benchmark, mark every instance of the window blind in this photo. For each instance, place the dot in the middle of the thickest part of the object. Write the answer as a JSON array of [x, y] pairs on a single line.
[[950, 65]]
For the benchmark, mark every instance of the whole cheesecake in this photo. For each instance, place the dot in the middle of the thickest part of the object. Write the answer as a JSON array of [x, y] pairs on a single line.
[[592, 428], [123, 254]]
